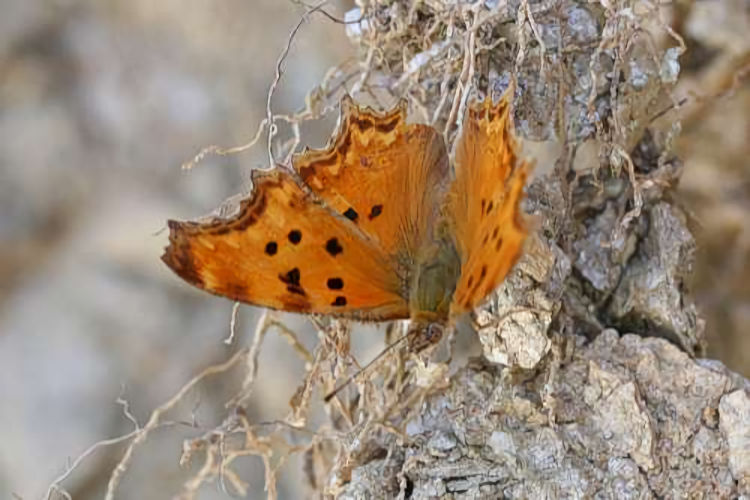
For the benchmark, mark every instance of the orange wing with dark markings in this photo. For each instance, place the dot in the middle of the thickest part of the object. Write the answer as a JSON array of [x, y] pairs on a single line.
[[356, 234], [484, 201], [285, 249], [385, 175]]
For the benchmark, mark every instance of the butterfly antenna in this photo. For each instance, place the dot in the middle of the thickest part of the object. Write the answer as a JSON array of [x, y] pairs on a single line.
[[359, 372]]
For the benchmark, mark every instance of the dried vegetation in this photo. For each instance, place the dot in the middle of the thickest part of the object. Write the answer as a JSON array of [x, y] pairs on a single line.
[[561, 404]]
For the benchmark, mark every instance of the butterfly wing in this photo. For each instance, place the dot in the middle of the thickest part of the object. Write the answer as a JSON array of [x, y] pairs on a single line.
[[386, 176], [484, 202], [285, 249]]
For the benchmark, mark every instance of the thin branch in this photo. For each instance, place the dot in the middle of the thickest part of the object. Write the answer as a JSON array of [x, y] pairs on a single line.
[[154, 421], [272, 129]]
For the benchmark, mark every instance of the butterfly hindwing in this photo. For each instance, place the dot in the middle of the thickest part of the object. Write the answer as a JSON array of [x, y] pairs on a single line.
[[285, 249]]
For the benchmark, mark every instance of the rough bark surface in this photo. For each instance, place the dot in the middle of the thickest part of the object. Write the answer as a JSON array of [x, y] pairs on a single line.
[[562, 405], [632, 417]]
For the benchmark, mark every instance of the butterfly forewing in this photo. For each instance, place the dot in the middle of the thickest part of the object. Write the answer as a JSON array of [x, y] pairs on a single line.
[[285, 249]]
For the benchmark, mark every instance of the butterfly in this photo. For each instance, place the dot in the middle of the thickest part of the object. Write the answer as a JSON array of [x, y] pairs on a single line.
[[377, 226]]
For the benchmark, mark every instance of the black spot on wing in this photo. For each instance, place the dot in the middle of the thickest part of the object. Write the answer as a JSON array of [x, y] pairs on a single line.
[[333, 247], [351, 214], [340, 301], [271, 248], [292, 277], [482, 275], [292, 281], [295, 236], [335, 283], [499, 244], [375, 211]]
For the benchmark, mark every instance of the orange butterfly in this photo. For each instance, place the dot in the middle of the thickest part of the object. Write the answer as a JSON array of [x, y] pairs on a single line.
[[376, 226]]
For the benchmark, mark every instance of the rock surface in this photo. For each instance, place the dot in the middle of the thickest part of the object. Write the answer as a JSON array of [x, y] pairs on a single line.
[[632, 417]]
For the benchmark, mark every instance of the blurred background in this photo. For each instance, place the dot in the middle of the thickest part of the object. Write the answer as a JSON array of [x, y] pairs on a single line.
[[100, 104]]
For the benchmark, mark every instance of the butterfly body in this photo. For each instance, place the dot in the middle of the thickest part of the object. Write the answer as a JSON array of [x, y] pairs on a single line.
[[376, 226], [435, 281]]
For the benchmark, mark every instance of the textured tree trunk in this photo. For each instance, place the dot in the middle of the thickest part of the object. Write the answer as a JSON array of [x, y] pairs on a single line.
[[626, 417], [561, 404]]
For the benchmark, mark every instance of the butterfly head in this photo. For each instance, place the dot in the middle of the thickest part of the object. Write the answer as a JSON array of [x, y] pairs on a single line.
[[424, 333]]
